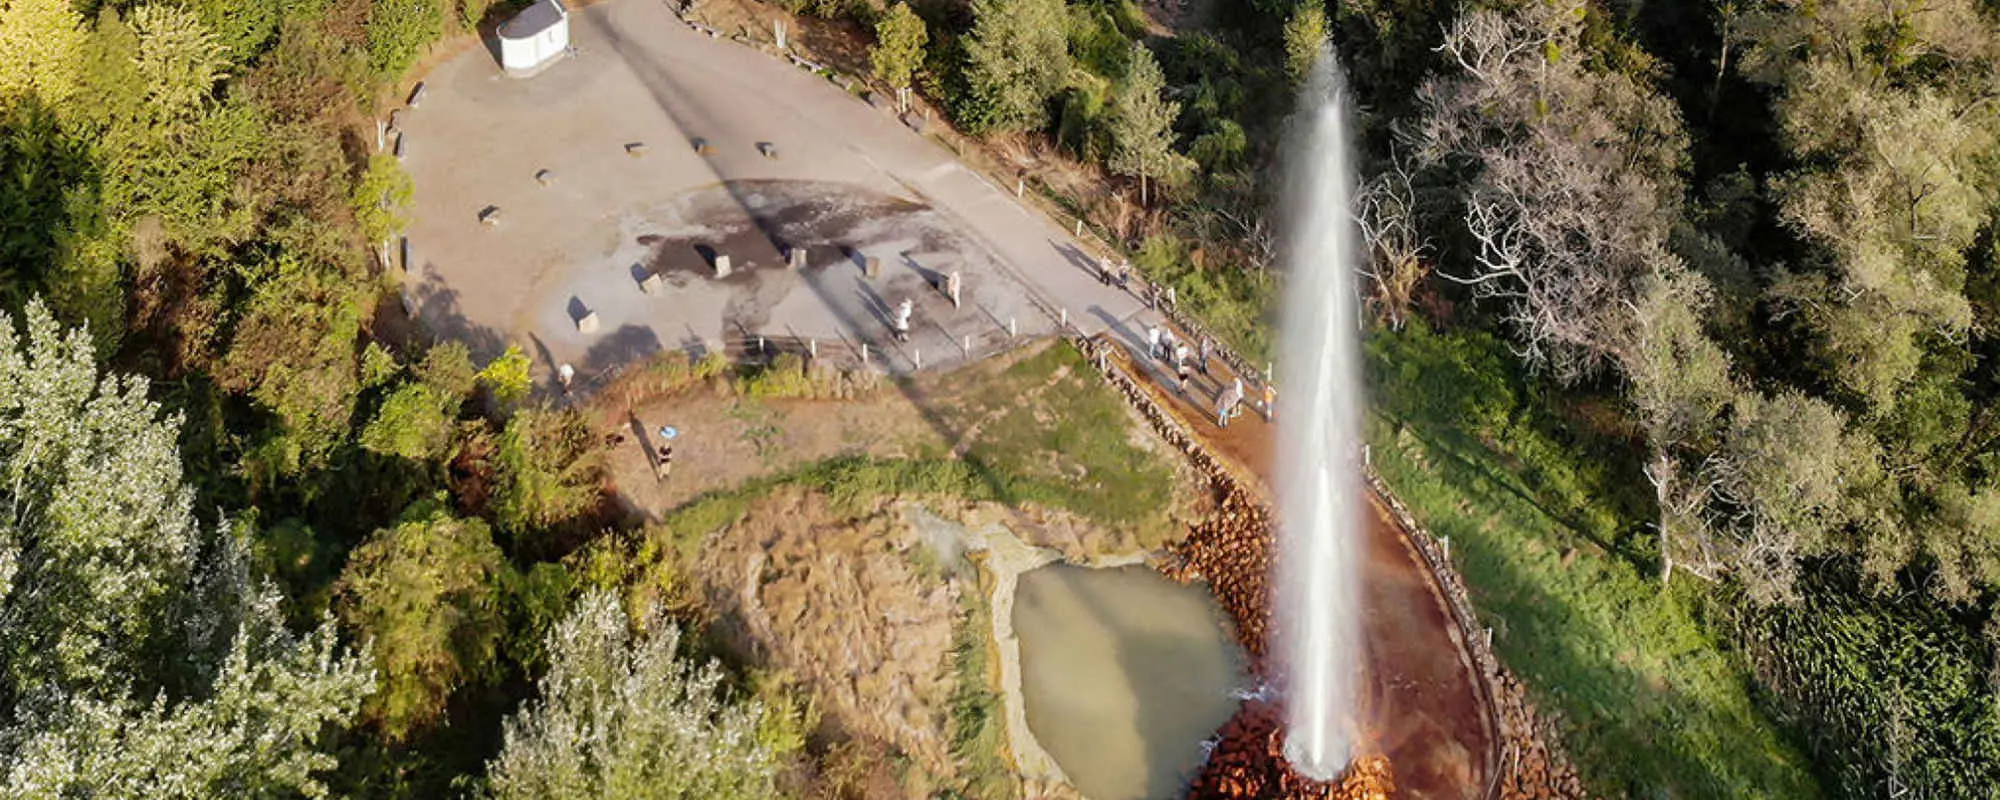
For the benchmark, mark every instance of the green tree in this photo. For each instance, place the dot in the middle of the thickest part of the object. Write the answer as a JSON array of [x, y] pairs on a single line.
[[140, 659], [1142, 124], [621, 715], [898, 50], [549, 470], [1305, 38], [43, 40], [1887, 107], [427, 595], [1016, 59]]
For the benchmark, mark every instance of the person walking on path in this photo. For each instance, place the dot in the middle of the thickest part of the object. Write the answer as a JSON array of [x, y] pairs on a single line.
[[1225, 407], [1181, 365], [1270, 403], [902, 321], [663, 460], [1206, 347], [1153, 341], [1125, 275]]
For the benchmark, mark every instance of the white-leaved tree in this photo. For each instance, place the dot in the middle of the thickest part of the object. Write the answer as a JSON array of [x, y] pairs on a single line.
[[138, 658], [621, 716]]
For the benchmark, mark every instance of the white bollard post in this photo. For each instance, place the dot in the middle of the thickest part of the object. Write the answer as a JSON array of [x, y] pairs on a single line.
[[1447, 547], [1267, 372], [812, 346], [918, 357], [1065, 319], [1011, 330], [864, 353], [760, 345], [967, 344], [1019, 184], [1079, 227]]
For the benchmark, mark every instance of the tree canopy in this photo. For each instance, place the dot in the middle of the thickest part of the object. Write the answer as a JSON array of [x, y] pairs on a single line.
[[141, 658], [621, 714]]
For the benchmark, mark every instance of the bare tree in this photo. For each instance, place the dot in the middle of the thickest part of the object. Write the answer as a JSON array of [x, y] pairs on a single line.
[[1386, 213], [1573, 181]]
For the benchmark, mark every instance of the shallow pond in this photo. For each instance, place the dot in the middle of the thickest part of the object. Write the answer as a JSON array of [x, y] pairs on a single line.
[[1124, 674]]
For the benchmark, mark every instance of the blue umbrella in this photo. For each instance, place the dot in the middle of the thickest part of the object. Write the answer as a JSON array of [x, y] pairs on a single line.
[[669, 432]]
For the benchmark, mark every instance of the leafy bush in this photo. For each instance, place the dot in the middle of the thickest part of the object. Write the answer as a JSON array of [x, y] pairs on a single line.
[[382, 198], [1893, 695], [549, 469], [427, 594], [398, 32], [507, 376]]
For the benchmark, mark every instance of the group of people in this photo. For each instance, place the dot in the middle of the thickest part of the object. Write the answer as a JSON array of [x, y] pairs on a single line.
[[1158, 295], [1163, 345]]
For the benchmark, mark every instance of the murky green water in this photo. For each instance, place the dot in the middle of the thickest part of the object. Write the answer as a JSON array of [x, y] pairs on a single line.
[[1124, 674]]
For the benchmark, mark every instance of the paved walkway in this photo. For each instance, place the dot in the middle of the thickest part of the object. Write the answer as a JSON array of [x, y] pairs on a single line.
[[842, 179]]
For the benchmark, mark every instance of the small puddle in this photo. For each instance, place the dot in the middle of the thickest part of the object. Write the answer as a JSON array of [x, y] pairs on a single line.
[[1124, 675]]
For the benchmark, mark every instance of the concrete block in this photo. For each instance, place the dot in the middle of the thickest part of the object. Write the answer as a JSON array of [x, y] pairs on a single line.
[[652, 284], [872, 267], [587, 323], [635, 149], [702, 147], [722, 267], [489, 216], [767, 149], [545, 177], [795, 258]]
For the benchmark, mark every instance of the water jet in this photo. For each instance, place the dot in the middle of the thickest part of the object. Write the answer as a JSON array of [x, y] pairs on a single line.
[[1320, 493]]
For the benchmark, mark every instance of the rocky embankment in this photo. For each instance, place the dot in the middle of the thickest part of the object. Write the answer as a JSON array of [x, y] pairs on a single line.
[[1231, 551]]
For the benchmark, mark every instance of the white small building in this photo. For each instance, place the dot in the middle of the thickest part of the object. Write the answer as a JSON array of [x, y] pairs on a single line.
[[534, 38]]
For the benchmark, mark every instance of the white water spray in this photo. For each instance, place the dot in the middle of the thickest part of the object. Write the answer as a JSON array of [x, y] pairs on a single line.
[[1319, 491]]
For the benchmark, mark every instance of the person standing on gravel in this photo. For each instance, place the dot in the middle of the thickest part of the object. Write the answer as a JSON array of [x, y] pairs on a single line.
[[902, 321]]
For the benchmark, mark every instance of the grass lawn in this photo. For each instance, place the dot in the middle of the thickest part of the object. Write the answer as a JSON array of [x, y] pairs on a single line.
[[1547, 528], [1051, 433]]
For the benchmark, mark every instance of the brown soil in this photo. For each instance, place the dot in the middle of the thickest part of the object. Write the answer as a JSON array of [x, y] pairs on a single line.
[[838, 604], [726, 439]]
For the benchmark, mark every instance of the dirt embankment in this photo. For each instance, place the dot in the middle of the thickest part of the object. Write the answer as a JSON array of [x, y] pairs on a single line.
[[839, 603]]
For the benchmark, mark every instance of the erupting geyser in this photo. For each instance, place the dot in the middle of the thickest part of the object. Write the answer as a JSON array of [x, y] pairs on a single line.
[[1319, 490]]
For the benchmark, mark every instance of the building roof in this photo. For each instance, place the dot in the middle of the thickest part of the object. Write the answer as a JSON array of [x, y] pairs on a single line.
[[534, 19]]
